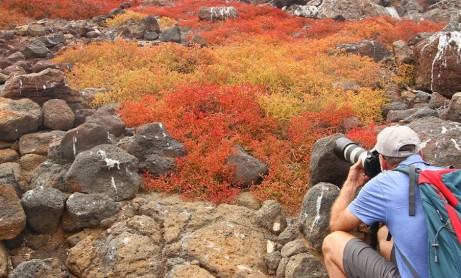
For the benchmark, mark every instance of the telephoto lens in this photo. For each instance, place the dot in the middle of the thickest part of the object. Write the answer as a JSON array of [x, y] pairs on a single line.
[[351, 152]]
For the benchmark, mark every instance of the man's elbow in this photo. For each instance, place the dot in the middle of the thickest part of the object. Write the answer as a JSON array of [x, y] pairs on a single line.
[[341, 224]]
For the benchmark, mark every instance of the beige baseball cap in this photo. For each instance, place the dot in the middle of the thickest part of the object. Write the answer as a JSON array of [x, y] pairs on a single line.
[[392, 138]]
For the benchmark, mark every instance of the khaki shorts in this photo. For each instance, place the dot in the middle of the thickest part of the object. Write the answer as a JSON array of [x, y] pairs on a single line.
[[361, 261]]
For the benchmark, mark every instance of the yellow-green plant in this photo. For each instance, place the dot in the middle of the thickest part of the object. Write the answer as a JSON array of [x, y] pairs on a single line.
[[166, 22], [293, 73], [125, 17], [405, 75]]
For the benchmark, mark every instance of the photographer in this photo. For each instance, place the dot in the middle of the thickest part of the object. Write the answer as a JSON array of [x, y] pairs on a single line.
[[383, 198]]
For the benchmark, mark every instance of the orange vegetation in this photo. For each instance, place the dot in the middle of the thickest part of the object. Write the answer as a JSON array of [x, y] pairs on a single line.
[[269, 82]]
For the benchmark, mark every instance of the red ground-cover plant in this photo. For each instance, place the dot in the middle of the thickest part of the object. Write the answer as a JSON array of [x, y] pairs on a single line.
[[256, 20], [209, 120], [288, 180], [366, 135], [306, 129], [9, 18], [67, 9], [252, 20], [303, 131], [181, 9], [388, 30]]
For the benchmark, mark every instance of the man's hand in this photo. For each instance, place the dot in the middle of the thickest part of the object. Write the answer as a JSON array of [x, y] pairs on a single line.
[[356, 177], [341, 218]]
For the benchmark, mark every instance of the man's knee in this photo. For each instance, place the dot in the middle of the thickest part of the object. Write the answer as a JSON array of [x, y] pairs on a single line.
[[335, 242], [383, 232], [328, 243], [385, 245]]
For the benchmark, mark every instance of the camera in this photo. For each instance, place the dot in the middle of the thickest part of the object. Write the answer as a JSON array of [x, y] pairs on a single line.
[[352, 152]]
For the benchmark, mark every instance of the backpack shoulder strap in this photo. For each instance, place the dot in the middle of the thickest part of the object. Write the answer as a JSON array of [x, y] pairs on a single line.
[[407, 263], [411, 171]]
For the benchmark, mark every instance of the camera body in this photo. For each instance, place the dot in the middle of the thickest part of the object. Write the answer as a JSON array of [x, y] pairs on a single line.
[[352, 152]]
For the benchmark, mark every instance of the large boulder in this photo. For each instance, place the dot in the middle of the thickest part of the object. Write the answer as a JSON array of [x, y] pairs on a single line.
[[375, 50], [18, 117], [305, 265], [36, 30], [49, 174], [151, 25], [155, 149], [13, 70], [136, 31], [89, 210], [43, 65], [81, 114], [217, 13], [10, 173], [112, 123], [8, 155], [325, 165], [440, 141], [44, 207], [438, 63], [272, 217], [403, 54], [147, 29], [28, 163], [409, 115], [289, 3], [180, 271], [453, 113], [22, 86], [350, 9], [315, 212], [36, 49], [309, 11], [11, 213], [38, 142], [158, 165], [272, 260], [235, 243], [393, 106], [228, 249], [82, 138], [105, 169], [40, 87], [294, 247], [37, 268], [248, 169], [153, 138], [438, 101], [57, 115], [172, 34], [130, 248]]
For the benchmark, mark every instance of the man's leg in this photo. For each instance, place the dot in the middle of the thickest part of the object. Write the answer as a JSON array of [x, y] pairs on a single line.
[[348, 256], [385, 246], [333, 250]]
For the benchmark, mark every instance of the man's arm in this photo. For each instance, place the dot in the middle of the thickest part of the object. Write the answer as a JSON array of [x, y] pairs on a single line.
[[341, 218]]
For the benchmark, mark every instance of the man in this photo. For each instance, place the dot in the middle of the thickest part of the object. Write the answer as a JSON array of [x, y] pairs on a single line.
[[382, 199]]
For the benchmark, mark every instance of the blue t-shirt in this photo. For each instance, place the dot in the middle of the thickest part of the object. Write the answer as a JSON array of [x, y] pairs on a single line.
[[385, 199]]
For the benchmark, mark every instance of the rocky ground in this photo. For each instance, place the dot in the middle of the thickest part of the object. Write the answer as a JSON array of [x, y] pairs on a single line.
[[70, 190]]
